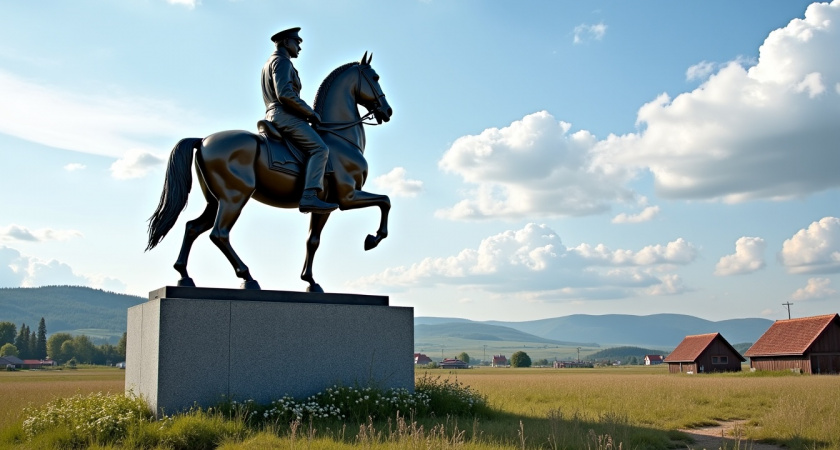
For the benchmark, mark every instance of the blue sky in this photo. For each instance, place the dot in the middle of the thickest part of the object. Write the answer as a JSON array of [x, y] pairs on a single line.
[[544, 158]]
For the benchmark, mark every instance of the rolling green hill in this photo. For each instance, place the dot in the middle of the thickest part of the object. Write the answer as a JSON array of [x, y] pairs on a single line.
[[75, 309]]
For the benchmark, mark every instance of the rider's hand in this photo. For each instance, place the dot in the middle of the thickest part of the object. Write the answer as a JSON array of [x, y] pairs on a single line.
[[314, 119]]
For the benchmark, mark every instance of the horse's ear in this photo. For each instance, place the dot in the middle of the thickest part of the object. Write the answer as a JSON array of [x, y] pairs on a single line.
[[370, 58], [363, 59]]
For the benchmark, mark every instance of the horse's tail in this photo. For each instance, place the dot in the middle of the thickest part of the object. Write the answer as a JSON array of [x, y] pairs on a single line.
[[176, 189]]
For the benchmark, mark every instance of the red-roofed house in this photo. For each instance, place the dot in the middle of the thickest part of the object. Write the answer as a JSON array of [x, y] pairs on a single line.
[[704, 353], [499, 361], [652, 360], [421, 359], [809, 344]]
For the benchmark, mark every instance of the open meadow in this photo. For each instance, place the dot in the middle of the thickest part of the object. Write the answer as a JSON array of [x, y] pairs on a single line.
[[37, 387], [627, 407]]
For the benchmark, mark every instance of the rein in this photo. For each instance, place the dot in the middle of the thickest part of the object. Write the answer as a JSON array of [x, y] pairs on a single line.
[[336, 126]]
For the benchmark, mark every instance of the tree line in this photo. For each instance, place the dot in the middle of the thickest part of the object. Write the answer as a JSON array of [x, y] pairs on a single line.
[[60, 347]]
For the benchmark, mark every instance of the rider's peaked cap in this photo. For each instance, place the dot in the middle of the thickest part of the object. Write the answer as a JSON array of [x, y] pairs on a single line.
[[285, 34]]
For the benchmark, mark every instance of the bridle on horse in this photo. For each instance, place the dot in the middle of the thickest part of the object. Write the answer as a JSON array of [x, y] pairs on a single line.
[[332, 127]]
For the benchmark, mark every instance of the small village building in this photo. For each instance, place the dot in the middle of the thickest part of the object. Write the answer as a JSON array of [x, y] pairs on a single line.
[[806, 344], [10, 362], [704, 353], [453, 363], [571, 364], [37, 363], [421, 359], [653, 360], [499, 361]]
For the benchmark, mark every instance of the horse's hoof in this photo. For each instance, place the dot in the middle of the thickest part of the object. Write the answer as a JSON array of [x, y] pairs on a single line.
[[250, 285], [371, 242], [315, 288], [186, 282]]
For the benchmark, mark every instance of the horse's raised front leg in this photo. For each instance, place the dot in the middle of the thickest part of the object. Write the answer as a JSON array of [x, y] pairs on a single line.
[[226, 217], [316, 225], [355, 199], [193, 230]]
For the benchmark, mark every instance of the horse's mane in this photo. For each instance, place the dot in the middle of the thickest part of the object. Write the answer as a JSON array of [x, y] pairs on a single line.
[[327, 83]]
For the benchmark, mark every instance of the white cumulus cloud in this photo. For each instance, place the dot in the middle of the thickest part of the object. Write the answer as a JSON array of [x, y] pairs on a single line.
[[135, 164], [72, 167], [815, 249], [534, 262], [646, 215], [748, 257], [191, 4], [764, 132], [532, 168], [699, 71], [585, 32], [18, 270], [15, 232], [395, 183], [816, 289]]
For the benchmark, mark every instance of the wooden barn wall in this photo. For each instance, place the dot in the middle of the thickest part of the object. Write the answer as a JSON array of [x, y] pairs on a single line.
[[825, 364], [828, 341], [719, 348], [781, 363], [686, 367]]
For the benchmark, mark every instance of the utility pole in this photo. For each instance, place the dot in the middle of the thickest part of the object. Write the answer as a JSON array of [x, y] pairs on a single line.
[[485, 354], [788, 308]]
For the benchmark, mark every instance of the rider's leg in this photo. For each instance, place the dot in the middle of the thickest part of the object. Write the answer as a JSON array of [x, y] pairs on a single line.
[[307, 140]]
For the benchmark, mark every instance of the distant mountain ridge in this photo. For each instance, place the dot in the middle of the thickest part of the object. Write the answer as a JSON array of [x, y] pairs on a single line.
[[652, 331], [484, 332], [67, 308]]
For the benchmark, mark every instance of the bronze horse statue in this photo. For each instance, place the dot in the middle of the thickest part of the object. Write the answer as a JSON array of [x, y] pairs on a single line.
[[234, 166]]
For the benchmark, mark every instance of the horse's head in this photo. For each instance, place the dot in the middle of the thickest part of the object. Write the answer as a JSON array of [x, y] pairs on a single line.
[[370, 94]]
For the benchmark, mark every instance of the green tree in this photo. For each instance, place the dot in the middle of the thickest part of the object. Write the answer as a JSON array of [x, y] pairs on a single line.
[[22, 341], [54, 344], [84, 350], [541, 362], [520, 359], [8, 331], [33, 345], [8, 350], [67, 351], [41, 344], [121, 345], [464, 357]]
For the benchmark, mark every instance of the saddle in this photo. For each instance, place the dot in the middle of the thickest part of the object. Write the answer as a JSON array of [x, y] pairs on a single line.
[[283, 156]]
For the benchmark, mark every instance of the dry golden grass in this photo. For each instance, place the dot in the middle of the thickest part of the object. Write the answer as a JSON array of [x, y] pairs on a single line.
[[787, 409], [553, 408], [37, 387]]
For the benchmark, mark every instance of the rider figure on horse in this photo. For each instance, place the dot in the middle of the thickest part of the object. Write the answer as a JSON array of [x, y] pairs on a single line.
[[290, 114]]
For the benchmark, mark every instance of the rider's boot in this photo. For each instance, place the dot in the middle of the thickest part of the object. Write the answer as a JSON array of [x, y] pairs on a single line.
[[315, 168], [310, 203]]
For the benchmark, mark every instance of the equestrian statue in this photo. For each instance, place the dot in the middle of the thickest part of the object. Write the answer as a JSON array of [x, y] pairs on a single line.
[[290, 164]]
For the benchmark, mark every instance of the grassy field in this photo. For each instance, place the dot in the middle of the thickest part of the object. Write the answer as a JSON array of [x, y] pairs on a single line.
[[37, 387], [636, 407], [800, 411]]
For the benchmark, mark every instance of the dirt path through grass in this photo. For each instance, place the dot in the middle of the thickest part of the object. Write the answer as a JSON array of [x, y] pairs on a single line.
[[724, 435]]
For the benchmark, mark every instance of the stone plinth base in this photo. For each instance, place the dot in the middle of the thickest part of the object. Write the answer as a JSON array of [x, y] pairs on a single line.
[[196, 346]]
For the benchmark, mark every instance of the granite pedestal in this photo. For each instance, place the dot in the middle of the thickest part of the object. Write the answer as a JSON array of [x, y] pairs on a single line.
[[197, 346]]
